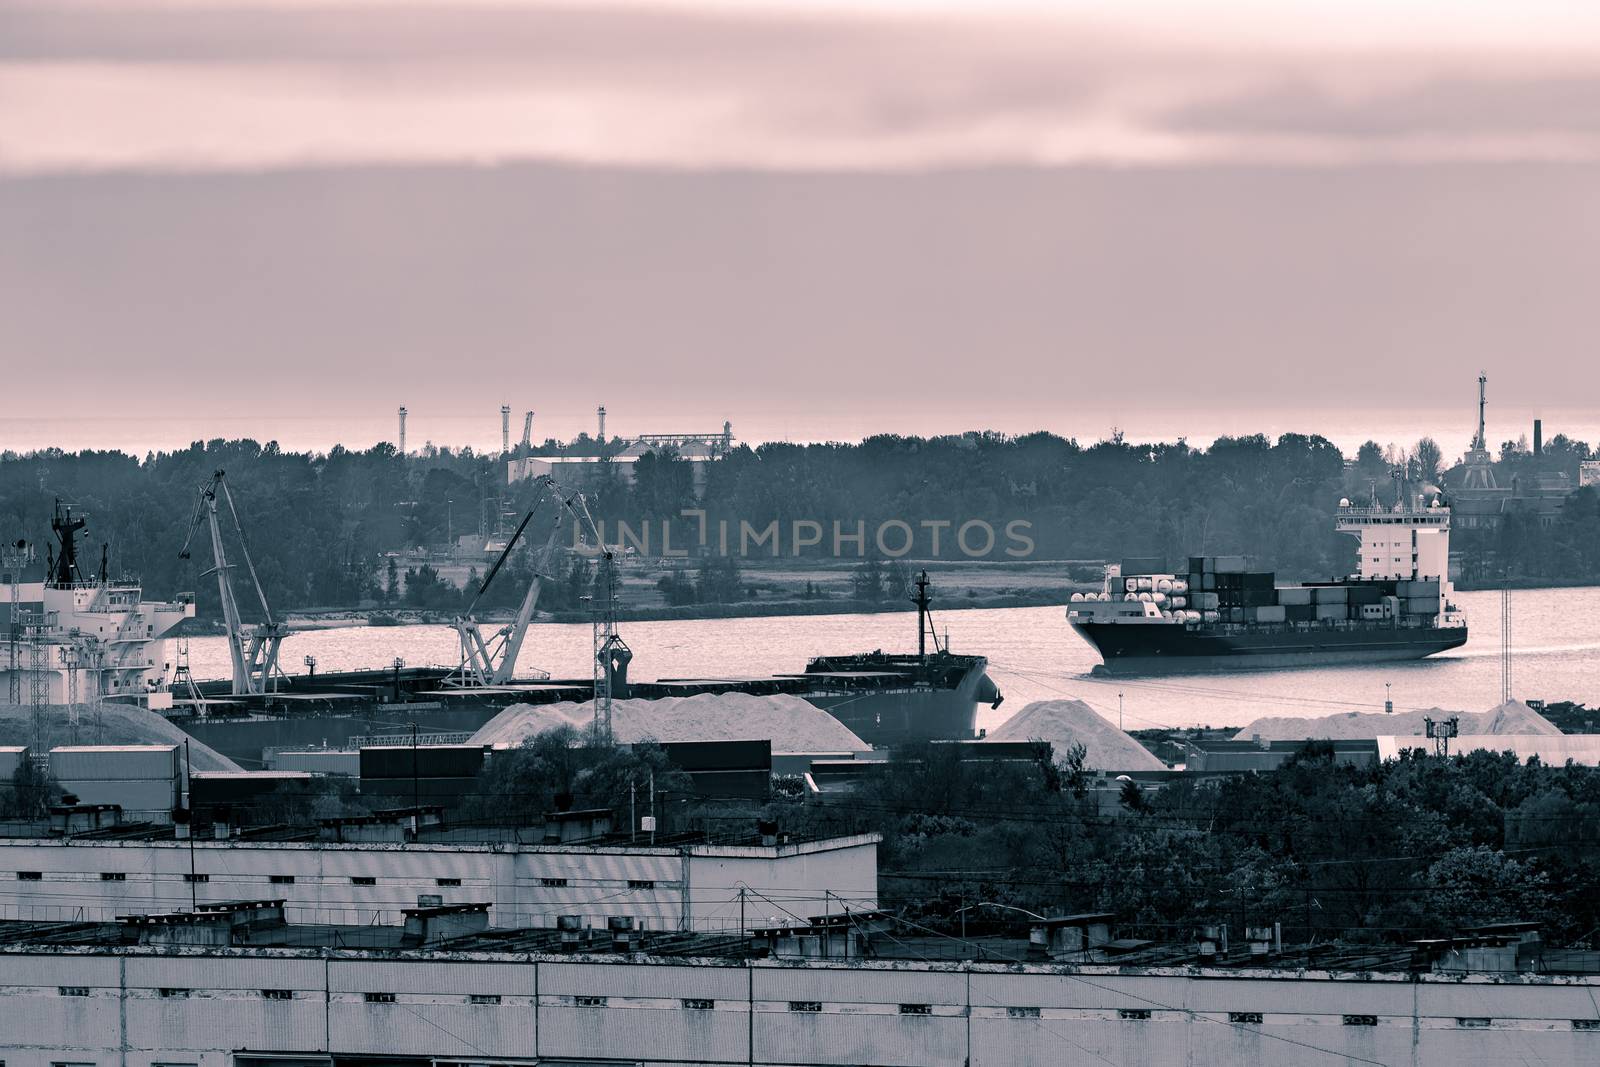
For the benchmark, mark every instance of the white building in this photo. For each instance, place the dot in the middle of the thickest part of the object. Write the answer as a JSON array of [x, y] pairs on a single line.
[[99, 1005], [702, 887]]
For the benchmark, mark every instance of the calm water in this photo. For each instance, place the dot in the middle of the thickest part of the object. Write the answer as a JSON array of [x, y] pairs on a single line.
[[1035, 656]]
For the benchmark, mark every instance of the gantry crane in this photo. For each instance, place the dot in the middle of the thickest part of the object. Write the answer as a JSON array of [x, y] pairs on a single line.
[[493, 661], [254, 651]]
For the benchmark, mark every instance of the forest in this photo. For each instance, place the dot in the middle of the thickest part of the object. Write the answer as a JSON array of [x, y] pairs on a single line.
[[348, 529], [1418, 847]]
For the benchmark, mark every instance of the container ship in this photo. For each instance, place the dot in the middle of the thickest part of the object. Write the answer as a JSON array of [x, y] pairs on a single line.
[[1217, 615]]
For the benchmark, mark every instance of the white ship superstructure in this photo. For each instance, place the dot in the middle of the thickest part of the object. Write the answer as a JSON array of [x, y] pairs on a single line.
[[67, 637]]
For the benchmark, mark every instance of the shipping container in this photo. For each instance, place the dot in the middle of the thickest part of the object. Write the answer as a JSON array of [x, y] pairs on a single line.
[[1330, 594], [327, 761], [1421, 605], [148, 800], [11, 757], [1208, 581], [217, 787], [1258, 598], [1334, 612], [1205, 601], [1199, 564], [1294, 595], [1418, 587], [1373, 612], [1258, 579], [1271, 613], [1300, 612], [113, 763], [1365, 593], [1230, 565]]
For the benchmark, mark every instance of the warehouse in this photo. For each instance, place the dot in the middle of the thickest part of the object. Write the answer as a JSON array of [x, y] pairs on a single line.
[[76, 994], [683, 883]]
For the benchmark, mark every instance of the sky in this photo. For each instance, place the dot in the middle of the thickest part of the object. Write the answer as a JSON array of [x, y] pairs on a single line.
[[285, 218]]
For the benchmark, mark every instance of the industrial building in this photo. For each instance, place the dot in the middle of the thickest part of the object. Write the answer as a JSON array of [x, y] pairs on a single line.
[[232, 987], [699, 450], [677, 883]]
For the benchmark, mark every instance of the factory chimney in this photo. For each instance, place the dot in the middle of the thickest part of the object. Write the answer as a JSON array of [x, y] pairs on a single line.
[[505, 429], [1538, 437], [602, 413], [402, 430]]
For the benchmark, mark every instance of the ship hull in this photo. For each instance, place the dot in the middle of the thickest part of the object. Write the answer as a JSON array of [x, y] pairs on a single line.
[[1127, 650]]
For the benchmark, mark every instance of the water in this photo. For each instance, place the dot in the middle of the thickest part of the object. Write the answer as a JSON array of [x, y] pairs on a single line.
[[1035, 656]]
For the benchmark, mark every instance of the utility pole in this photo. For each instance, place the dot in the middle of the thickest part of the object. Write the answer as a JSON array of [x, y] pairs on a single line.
[[416, 792], [188, 803]]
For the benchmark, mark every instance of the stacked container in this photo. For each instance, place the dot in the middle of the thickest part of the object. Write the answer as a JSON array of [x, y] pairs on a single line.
[[145, 780]]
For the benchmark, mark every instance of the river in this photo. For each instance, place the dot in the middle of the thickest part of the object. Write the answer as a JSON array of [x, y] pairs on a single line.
[[1034, 655]]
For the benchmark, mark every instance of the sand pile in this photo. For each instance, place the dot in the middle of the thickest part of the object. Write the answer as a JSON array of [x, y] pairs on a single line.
[[791, 724], [1072, 722], [1512, 717], [110, 724]]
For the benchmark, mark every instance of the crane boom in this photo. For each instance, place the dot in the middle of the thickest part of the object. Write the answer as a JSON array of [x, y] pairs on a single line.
[[253, 651]]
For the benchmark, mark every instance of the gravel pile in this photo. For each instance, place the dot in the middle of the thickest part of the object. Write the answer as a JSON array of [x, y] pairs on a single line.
[[111, 724], [791, 724], [1512, 717], [1072, 722]]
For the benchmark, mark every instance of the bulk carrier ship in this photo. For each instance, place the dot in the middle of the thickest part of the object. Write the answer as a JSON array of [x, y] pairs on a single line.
[[1218, 615]]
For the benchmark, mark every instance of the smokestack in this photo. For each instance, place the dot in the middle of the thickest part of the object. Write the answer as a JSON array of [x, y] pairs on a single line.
[[1538, 437], [602, 413], [402, 430], [505, 429]]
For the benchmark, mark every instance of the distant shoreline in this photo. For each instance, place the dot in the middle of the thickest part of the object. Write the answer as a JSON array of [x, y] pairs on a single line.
[[334, 620]]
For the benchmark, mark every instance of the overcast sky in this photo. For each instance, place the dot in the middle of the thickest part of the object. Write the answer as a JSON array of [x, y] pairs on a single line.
[[815, 220]]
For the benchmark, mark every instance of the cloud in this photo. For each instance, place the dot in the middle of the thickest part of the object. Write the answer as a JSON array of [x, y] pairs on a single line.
[[186, 86]]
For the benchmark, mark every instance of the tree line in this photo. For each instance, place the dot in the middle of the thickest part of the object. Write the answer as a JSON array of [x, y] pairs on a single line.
[[347, 528]]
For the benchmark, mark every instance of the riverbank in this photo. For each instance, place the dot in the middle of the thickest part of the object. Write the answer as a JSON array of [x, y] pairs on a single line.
[[781, 587]]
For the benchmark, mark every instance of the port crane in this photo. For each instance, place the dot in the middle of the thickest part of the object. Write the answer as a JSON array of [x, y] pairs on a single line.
[[254, 651], [493, 660]]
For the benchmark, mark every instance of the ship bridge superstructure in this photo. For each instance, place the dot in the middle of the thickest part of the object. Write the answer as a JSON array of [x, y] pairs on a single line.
[[69, 637]]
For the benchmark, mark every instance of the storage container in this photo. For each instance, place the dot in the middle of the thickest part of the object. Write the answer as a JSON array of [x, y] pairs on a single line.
[[113, 763]]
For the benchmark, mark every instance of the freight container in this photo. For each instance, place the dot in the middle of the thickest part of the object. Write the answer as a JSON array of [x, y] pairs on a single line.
[[1334, 612], [328, 761], [1300, 612], [11, 757], [1421, 605], [1230, 564], [1205, 601], [1212, 616], [1330, 594], [1365, 593], [1258, 579], [1208, 581], [232, 787], [1180, 585], [1271, 613], [1373, 612], [1258, 598], [142, 800], [113, 763], [1200, 564], [1294, 595], [1419, 587]]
